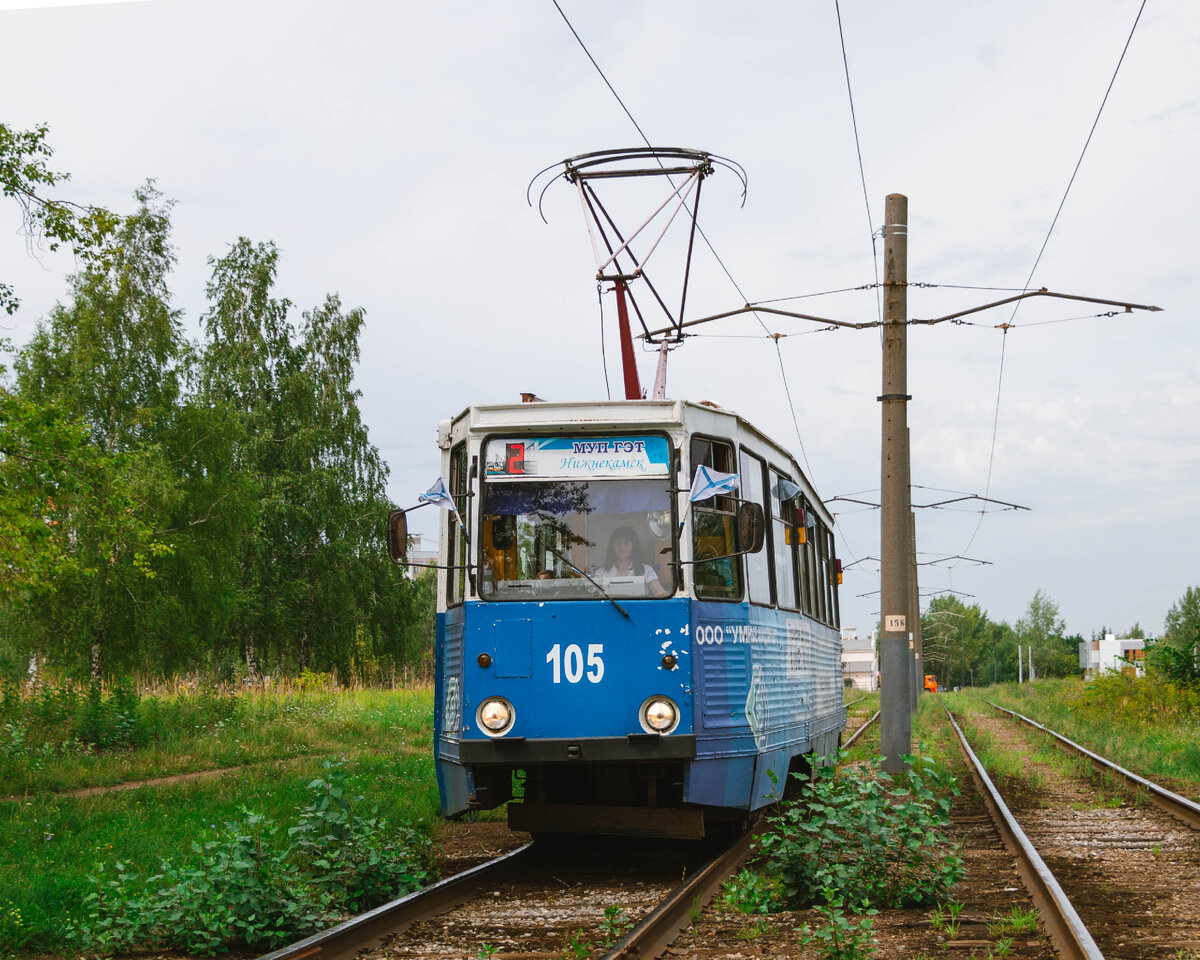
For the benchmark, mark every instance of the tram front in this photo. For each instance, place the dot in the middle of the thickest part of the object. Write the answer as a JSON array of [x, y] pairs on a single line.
[[568, 671]]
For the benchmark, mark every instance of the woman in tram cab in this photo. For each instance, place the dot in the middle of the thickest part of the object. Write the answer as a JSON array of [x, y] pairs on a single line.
[[624, 560]]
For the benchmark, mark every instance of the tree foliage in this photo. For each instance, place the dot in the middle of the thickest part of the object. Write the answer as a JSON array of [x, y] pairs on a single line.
[[964, 646], [1176, 655], [1041, 630], [1182, 624], [24, 177], [169, 505]]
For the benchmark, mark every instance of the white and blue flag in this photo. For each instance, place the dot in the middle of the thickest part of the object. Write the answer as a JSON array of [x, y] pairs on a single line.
[[785, 489], [439, 495], [711, 483]]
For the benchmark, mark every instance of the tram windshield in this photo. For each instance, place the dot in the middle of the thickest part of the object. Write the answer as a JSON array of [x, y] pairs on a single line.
[[572, 539]]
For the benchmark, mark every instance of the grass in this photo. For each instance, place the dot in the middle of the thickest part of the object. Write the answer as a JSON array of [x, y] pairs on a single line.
[[1146, 725], [52, 841], [1028, 762], [867, 746], [869, 699], [1016, 921], [41, 750]]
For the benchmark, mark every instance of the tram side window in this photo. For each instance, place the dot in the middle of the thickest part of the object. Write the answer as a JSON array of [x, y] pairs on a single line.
[[717, 575], [808, 563], [784, 540], [822, 539], [456, 543], [758, 565]]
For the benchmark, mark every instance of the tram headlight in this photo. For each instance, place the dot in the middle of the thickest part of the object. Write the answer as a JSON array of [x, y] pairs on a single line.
[[659, 715], [495, 716]]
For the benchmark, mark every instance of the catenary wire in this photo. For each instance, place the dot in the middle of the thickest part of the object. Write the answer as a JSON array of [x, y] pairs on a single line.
[[721, 263], [862, 173], [1062, 203], [699, 229], [1083, 152], [601, 72]]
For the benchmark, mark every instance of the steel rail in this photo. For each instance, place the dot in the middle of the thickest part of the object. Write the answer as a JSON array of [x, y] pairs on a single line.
[[857, 733], [659, 928], [1179, 807], [1067, 932], [367, 930], [850, 703]]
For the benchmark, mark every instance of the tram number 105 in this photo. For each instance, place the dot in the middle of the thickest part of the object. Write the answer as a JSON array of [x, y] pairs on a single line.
[[570, 662]]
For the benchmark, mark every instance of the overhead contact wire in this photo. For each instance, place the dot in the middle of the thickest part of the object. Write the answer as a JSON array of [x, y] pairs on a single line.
[[601, 72], [1061, 204]]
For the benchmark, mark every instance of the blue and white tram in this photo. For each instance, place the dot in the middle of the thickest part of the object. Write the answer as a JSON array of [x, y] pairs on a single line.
[[620, 649]]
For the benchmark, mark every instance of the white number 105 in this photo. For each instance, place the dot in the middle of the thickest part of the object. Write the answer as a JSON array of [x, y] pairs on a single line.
[[570, 662]]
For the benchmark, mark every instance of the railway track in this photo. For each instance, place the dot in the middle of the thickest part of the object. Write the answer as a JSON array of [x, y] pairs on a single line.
[[541, 897], [1179, 807], [1108, 881], [1111, 878], [860, 730], [543, 900]]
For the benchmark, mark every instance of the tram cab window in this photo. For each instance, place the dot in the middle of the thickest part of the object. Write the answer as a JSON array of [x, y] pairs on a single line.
[[758, 565], [574, 539]]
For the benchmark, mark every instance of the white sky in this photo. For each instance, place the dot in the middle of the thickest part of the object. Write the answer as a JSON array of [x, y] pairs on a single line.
[[386, 148]]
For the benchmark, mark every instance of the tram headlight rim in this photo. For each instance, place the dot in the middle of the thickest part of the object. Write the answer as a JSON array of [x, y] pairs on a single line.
[[644, 714], [507, 725]]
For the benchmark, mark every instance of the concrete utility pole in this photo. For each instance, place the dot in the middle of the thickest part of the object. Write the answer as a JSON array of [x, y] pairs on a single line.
[[895, 717]]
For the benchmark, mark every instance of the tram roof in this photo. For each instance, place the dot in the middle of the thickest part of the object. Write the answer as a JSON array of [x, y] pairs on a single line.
[[669, 415]]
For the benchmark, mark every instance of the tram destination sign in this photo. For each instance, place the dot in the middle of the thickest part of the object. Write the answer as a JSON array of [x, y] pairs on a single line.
[[570, 458]]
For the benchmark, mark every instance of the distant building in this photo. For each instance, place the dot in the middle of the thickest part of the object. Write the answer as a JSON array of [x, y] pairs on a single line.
[[860, 664], [418, 552], [1124, 655]]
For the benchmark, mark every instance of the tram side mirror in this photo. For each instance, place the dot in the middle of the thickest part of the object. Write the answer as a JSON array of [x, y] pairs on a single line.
[[397, 535], [659, 522], [504, 531], [751, 528]]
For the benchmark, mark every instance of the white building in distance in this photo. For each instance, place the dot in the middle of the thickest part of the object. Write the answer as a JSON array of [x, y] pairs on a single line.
[[860, 661], [419, 552], [1119, 655]]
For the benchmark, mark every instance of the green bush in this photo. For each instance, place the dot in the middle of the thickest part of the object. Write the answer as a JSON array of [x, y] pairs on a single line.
[[841, 937], [1178, 665], [751, 892], [255, 885], [857, 836]]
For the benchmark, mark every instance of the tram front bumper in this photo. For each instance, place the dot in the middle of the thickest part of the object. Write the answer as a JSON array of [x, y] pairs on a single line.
[[518, 751]]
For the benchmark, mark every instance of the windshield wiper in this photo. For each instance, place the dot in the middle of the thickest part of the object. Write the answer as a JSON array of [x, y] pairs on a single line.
[[587, 577]]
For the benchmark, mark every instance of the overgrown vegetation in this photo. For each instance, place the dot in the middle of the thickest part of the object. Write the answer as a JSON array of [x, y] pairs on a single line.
[[274, 740], [867, 837], [1179, 665], [845, 933], [257, 884], [855, 840], [1148, 724], [68, 736]]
